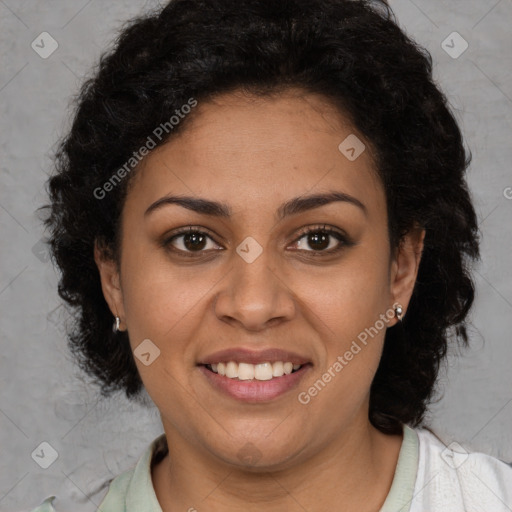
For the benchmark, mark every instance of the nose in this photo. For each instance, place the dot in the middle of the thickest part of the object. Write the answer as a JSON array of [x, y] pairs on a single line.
[[255, 295]]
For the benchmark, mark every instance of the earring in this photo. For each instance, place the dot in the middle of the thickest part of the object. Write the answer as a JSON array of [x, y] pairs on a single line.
[[115, 327], [398, 313]]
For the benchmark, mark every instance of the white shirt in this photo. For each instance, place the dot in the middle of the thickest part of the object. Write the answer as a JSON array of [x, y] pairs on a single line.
[[453, 480]]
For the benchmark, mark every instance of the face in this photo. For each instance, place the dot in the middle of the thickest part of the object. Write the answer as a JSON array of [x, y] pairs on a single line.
[[316, 279]]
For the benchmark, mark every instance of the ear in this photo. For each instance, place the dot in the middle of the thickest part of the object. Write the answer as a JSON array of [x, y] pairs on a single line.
[[110, 281], [404, 267]]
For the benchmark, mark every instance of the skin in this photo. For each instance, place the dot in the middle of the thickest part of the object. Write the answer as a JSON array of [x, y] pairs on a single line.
[[254, 154]]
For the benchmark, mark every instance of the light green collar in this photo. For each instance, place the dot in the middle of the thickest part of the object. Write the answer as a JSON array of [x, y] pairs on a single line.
[[400, 495], [133, 490]]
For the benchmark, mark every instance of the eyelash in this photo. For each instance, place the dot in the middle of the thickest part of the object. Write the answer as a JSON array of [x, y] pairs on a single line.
[[343, 239]]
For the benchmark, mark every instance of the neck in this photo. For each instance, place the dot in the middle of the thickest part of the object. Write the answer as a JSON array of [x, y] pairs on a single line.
[[356, 469]]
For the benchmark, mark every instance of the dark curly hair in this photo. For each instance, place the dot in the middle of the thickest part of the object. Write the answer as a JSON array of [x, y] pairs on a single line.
[[355, 55]]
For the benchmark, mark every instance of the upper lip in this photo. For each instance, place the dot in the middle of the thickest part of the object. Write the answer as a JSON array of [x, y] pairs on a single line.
[[243, 355]]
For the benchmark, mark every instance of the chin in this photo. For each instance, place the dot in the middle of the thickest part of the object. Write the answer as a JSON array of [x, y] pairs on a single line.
[[260, 455]]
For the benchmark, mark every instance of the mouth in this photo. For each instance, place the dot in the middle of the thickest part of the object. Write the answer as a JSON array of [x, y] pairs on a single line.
[[248, 372], [254, 383]]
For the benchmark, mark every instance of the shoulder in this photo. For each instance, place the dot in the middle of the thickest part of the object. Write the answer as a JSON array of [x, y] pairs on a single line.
[[453, 478], [130, 490], [45, 506], [133, 481], [133, 490], [114, 499]]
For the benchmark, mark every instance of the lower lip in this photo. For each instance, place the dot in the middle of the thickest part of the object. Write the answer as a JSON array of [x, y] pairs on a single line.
[[255, 390]]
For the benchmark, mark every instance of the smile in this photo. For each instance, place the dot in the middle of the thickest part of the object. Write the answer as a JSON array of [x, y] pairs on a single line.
[[247, 371], [254, 382]]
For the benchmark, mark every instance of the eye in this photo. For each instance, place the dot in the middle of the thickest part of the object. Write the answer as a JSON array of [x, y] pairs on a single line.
[[320, 239], [189, 240], [192, 241]]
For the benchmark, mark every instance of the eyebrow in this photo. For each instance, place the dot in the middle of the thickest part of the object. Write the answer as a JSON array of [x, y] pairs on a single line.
[[222, 210]]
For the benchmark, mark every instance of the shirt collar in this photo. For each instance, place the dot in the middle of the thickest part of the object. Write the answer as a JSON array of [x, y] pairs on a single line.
[[141, 496], [401, 493]]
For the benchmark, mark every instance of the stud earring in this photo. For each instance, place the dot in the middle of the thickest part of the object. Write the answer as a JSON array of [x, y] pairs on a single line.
[[398, 313]]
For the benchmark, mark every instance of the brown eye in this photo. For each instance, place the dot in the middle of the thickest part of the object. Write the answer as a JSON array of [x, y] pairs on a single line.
[[318, 240], [189, 240], [322, 239], [194, 241]]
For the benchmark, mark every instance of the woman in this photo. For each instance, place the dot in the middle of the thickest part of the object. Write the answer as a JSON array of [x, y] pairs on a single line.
[[261, 216]]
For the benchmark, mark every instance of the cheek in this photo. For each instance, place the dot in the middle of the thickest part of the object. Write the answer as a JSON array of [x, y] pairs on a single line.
[[163, 301], [162, 304], [351, 311], [351, 296], [352, 331]]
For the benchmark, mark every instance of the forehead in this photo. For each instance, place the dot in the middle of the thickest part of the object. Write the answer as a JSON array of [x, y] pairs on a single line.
[[252, 152]]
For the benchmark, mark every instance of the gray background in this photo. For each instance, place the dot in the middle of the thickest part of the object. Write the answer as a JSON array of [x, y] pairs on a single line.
[[45, 398]]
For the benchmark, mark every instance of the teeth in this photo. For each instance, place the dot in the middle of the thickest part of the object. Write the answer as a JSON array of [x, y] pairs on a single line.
[[246, 371], [277, 369], [232, 370], [262, 371]]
